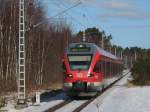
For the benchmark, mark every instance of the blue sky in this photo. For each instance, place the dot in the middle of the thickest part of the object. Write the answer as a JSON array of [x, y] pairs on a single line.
[[127, 20]]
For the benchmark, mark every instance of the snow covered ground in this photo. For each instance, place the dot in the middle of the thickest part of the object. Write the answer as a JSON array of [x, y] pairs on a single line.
[[44, 105], [120, 98]]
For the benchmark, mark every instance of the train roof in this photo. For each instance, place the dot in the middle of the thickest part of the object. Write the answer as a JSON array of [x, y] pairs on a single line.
[[93, 47], [106, 53]]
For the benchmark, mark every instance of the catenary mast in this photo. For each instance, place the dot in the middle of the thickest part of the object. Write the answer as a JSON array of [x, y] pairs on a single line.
[[21, 62]]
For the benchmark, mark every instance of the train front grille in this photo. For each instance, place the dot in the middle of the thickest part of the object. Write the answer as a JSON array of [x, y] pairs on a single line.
[[80, 85]]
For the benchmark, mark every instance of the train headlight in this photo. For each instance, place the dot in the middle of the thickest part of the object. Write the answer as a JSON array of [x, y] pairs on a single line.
[[89, 75], [69, 75]]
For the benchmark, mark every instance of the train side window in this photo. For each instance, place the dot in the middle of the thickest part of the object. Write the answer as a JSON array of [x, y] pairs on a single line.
[[97, 67], [107, 69], [102, 66]]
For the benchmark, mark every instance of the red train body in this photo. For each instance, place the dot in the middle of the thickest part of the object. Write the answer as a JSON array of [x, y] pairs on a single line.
[[88, 69]]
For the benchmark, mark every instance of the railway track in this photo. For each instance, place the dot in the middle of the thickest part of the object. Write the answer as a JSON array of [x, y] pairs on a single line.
[[84, 103], [56, 107]]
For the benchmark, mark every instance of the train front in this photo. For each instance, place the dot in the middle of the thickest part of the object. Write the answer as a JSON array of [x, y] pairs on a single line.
[[78, 63]]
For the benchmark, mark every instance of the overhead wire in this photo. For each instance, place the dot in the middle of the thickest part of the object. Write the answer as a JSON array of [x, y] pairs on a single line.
[[38, 24], [85, 14], [67, 13]]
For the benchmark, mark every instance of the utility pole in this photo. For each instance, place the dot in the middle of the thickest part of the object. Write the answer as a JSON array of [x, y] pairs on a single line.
[[135, 55], [110, 49], [84, 38], [131, 62], [21, 62], [121, 55], [126, 61], [115, 52], [102, 41]]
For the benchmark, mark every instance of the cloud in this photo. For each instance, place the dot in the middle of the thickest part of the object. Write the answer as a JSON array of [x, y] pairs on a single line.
[[113, 8], [108, 4], [138, 26], [122, 10], [105, 4], [116, 5], [132, 15]]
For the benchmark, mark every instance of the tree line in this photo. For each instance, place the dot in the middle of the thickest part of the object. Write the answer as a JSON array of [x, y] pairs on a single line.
[[95, 35], [141, 69]]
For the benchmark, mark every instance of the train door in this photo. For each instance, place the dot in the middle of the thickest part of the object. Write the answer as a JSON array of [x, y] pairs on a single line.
[[98, 70], [104, 64]]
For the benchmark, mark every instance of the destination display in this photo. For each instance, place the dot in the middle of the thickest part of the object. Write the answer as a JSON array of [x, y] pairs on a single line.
[[79, 58], [80, 49]]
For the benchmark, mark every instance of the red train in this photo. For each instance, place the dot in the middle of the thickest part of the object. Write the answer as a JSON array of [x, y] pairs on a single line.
[[88, 69]]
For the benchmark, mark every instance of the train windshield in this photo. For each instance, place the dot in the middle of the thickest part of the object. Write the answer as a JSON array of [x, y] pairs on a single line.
[[79, 62]]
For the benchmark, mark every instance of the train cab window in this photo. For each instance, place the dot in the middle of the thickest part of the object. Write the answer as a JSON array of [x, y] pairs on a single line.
[[79, 61], [97, 67]]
